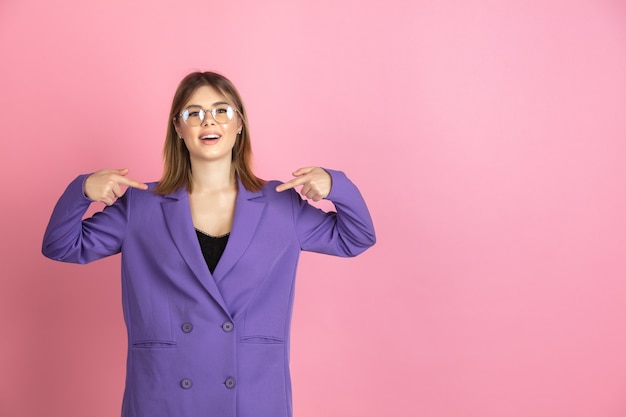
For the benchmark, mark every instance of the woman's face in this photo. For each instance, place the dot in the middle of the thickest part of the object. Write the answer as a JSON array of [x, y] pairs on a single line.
[[209, 140]]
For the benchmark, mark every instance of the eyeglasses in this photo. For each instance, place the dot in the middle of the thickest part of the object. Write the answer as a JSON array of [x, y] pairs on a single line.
[[222, 113]]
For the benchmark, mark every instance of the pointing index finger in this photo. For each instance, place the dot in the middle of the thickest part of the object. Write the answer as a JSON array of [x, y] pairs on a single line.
[[290, 184], [299, 180], [132, 183]]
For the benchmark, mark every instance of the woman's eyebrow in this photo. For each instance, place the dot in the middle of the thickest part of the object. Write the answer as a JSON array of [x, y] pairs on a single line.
[[214, 104]]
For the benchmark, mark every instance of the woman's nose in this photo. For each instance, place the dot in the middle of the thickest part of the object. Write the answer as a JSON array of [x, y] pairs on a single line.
[[208, 119]]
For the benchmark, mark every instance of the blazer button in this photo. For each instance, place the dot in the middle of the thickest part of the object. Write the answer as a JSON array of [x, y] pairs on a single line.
[[228, 327], [187, 327], [230, 383], [186, 383]]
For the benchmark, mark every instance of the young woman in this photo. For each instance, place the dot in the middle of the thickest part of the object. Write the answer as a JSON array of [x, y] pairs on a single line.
[[209, 256]]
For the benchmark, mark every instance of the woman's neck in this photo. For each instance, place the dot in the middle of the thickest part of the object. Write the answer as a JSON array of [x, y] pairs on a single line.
[[211, 177]]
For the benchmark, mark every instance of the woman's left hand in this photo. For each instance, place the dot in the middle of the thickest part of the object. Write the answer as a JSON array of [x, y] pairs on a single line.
[[316, 183]]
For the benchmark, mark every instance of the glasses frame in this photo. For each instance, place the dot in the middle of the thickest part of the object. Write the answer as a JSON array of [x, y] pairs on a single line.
[[212, 111]]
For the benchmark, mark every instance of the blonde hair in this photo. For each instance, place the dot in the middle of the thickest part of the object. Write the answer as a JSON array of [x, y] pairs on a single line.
[[177, 165]]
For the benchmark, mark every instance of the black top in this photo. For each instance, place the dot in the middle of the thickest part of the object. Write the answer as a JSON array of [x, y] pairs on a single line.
[[212, 247]]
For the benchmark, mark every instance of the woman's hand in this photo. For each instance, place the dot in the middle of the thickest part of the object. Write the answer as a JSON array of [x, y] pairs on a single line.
[[316, 183], [105, 186]]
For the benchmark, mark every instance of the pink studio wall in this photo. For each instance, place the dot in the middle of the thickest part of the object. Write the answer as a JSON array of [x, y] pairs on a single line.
[[487, 136]]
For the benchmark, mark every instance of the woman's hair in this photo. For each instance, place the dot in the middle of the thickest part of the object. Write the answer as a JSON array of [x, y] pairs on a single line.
[[177, 165]]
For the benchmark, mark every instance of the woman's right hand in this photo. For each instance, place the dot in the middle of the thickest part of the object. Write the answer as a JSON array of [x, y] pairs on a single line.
[[105, 186]]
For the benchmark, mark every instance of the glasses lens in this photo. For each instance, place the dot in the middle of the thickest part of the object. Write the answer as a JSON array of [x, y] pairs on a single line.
[[223, 113], [193, 115]]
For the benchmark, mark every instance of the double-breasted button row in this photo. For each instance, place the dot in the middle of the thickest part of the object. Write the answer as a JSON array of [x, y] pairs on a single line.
[[227, 327], [230, 383]]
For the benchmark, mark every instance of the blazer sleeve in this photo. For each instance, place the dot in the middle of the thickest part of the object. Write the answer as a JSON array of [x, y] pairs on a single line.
[[347, 232], [69, 238]]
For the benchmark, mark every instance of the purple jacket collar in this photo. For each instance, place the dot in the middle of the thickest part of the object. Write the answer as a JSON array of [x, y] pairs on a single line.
[[248, 209]]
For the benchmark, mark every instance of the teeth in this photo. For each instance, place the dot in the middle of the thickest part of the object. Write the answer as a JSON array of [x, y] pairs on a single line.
[[210, 137]]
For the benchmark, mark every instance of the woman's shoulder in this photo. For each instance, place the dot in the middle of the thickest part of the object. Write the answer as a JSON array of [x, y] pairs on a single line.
[[269, 190]]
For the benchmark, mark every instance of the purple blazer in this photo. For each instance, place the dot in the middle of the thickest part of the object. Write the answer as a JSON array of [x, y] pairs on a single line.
[[202, 344]]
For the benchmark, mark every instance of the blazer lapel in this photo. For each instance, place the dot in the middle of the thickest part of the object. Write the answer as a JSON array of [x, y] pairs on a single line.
[[248, 209], [180, 224]]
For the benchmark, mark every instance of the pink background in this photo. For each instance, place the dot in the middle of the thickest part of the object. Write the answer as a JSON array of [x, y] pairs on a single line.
[[488, 138]]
